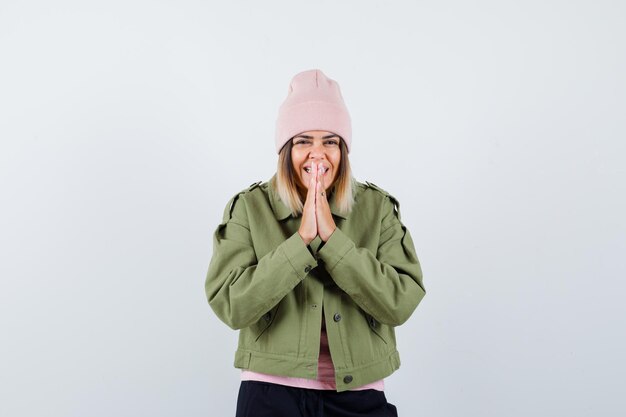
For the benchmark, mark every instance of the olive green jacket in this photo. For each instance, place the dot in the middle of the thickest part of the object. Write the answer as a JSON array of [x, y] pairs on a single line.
[[365, 280]]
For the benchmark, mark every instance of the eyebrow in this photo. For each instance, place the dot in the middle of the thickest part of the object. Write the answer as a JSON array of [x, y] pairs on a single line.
[[311, 137]]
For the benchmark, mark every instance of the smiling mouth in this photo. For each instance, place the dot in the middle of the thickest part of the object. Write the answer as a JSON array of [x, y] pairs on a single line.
[[308, 170]]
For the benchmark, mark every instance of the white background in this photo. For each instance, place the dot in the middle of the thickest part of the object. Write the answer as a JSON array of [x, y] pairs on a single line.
[[126, 126]]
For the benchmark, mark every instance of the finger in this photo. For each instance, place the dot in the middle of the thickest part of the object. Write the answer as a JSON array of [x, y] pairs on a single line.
[[321, 202], [318, 188], [322, 180], [321, 192], [311, 191]]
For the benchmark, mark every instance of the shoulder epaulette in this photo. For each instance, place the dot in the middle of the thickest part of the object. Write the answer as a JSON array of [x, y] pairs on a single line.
[[376, 187], [396, 203], [236, 196], [254, 185]]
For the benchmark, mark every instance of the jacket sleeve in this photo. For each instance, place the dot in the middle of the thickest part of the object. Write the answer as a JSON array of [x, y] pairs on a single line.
[[386, 284], [241, 288]]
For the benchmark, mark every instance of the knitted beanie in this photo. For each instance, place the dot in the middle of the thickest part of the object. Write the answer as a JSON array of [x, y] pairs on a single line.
[[314, 102]]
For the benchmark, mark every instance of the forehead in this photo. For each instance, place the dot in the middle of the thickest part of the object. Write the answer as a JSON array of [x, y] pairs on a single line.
[[312, 134]]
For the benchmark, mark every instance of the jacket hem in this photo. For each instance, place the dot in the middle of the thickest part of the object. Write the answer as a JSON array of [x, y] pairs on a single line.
[[307, 368]]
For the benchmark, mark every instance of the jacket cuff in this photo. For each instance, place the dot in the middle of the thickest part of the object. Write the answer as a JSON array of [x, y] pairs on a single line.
[[335, 248], [298, 255]]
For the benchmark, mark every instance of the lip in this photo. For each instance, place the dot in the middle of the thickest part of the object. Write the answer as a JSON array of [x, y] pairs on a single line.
[[326, 167]]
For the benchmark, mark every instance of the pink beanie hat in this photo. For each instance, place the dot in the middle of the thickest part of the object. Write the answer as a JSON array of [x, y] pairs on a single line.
[[313, 102]]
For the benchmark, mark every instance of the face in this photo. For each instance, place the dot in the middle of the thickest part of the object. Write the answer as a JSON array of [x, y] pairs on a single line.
[[315, 146]]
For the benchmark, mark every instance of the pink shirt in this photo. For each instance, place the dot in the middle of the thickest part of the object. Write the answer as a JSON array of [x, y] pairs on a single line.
[[325, 374]]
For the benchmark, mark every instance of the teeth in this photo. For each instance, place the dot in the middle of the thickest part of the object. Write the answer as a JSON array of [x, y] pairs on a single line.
[[308, 169]]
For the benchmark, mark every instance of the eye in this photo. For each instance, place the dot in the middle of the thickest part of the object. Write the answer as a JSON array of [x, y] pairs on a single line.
[[332, 142]]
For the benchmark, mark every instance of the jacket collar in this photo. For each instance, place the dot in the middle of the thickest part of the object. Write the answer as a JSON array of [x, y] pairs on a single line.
[[281, 211]]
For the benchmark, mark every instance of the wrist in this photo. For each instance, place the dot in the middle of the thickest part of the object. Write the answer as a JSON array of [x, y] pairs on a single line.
[[305, 239], [325, 238]]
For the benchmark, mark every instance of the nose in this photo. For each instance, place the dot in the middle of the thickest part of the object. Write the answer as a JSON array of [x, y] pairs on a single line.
[[317, 151]]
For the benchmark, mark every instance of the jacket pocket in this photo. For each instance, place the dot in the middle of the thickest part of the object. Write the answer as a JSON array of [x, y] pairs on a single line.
[[264, 323], [375, 327]]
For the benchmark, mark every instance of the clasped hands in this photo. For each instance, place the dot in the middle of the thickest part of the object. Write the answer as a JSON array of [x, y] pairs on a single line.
[[316, 216]]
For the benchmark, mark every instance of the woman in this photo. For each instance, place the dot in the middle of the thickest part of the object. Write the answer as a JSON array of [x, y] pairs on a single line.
[[315, 269]]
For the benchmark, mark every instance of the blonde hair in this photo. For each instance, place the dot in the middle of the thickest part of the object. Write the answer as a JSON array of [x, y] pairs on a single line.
[[285, 182]]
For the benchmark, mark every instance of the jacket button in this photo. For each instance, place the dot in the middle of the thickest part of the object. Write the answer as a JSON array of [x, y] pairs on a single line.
[[307, 269], [337, 317], [347, 379]]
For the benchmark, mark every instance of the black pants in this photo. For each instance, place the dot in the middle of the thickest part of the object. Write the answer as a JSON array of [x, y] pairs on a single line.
[[263, 399]]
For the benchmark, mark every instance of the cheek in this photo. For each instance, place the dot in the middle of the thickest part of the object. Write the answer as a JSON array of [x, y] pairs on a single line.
[[336, 163], [294, 163], [296, 160]]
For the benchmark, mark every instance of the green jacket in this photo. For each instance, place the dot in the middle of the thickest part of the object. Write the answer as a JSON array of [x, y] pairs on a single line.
[[365, 280]]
